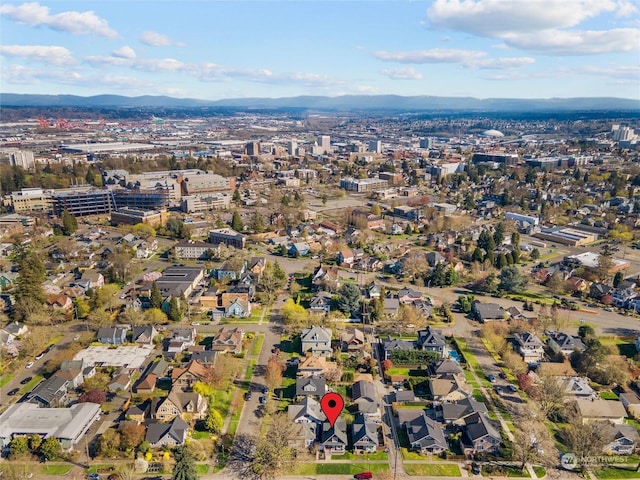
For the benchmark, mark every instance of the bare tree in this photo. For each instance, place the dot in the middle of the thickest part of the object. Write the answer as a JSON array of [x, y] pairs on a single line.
[[533, 444], [585, 439], [549, 395]]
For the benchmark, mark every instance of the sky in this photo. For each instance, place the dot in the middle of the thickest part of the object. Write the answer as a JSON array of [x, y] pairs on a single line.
[[214, 49]]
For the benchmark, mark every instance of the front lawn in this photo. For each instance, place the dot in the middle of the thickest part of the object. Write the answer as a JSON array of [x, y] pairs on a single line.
[[616, 472], [432, 469], [362, 457], [202, 468], [338, 468], [257, 346], [55, 469], [608, 395], [504, 471], [6, 379], [539, 471]]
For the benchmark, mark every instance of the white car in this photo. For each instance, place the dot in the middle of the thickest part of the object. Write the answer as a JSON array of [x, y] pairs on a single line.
[[29, 365]]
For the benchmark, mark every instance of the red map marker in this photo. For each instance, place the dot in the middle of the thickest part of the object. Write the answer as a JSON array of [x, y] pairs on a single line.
[[332, 405]]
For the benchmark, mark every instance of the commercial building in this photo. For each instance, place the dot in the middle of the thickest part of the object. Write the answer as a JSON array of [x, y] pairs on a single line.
[[361, 185], [168, 181], [500, 158], [83, 201], [190, 250], [375, 146], [133, 216], [67, 425], [253, 149], [205, 202], [592, 260], [176, 281], [202, 182], [31, 200], [227, 236], [523, 219], [142, 199], [567, 236]]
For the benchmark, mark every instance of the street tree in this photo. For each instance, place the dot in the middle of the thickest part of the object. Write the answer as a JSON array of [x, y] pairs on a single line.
[[185, 467], [349, 299], [585, 440], [274, 455], [236, 222], [273, 373], [109, 443], [532, 444], [155, 296]]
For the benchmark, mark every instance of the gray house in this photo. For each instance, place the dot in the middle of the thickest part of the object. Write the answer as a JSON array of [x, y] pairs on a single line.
[[316, 340], [432, 340], [112, 335], [426, 435], [488, 312], [365, 435]]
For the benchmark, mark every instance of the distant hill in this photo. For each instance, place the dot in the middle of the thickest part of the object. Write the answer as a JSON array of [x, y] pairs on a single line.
[[395, 103]]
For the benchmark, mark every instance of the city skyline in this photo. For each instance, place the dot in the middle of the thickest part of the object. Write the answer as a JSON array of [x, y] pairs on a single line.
[[213, 50]]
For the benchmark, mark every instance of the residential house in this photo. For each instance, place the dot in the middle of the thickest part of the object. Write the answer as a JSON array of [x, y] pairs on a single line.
[[363, 394], [257, 265], [435, 258], [455, 412], [121, 381], [562, 343], [305, 434], [73, 377], [364, 435], [205, 357], [445, 368], [577, 387], [181, 339], [138, 413], [352, 340], [432, 340], [391, 307], [333, 439], [447, 389], [228, 339], [310, 387], [167, 434], [408, 295], [144, 335], [299, 249], [346, 257], [320, 303], [577, 284], [229, 270], [622, 296], [60, 302], [314, 366], [51, 392], [235, 304], [185, 377], [599, 290], [316, 340], [623, 440], [16, 329], [187, 405], [426, 435], [374, 290], [112, 335], [487, 312], [146, 385], [326, 277], [631, 402], [390, 344], [529, 346], [307, 410], [480, 435], [601, 410]]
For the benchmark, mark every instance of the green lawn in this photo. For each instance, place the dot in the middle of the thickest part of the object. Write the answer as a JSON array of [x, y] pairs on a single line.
[[249, 373], [337, 468], [199, 435], [608, 395], [6, 379], [540, 471], [504, 471], [202, 468], [616, 472], [381, 455], [432, 469], [398, 371], [29, 386], [257, 346], [55, 469]]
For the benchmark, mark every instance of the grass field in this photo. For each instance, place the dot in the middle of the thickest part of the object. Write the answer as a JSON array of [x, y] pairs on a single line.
[[432, 469], [257, 346], [540, 471], [6, 379], [504, 471], [202, 469], [361, 458], [55, 469], [337, 468], [616, 472]]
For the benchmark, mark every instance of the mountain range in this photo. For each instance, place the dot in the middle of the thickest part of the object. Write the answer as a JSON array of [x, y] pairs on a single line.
[[395, 103]]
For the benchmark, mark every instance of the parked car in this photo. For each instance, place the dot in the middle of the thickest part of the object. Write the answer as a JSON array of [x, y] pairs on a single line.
[[491, 377], [363, 475], [26, 380], [29, 365], [247, 396], [512, 387], [263, 399], [40, 355], [475, 468], [13, 392]]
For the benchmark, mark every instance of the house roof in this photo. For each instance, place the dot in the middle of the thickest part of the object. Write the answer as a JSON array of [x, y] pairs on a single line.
[[50, 389], [395, 344], [308, 408], [604, 409], [479, 425], [630, 398], [364, 431], [336, 434], [489, 310], [363, 390], [528, 340], [143, 334], [194, 367], [462, 408], [430, 337], [565, 341], [316, 334], [177, 429], [426, 432], [310, 386], [445, 366]]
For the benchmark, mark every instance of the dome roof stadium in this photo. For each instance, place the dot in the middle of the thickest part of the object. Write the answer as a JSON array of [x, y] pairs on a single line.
[[492, 133]]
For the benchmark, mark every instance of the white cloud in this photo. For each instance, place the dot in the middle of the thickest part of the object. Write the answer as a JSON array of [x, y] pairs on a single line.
[[542, 26], [48, 54], [626, 72], [409, 73], [465, 58], [155, 39], [568, 42], [124, 52], [73, 22], [496, 17], [147, 65]]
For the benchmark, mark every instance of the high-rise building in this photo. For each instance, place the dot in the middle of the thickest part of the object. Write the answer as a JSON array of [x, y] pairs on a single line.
[[427, 142], [253, 149], [375, 146], [291, 147], [23, 158], [324, 142]]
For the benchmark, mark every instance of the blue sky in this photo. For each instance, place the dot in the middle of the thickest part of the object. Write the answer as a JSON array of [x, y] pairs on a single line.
[[225, 49]]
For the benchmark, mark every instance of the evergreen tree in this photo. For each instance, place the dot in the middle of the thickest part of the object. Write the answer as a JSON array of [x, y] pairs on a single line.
[[501, 262], [174, 310], [257, 223], [477, 255], [28, 292], [237, 199], [156, 296], [185, 467], [451, 277], [236, 222], [69, 223], [498, 234]]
